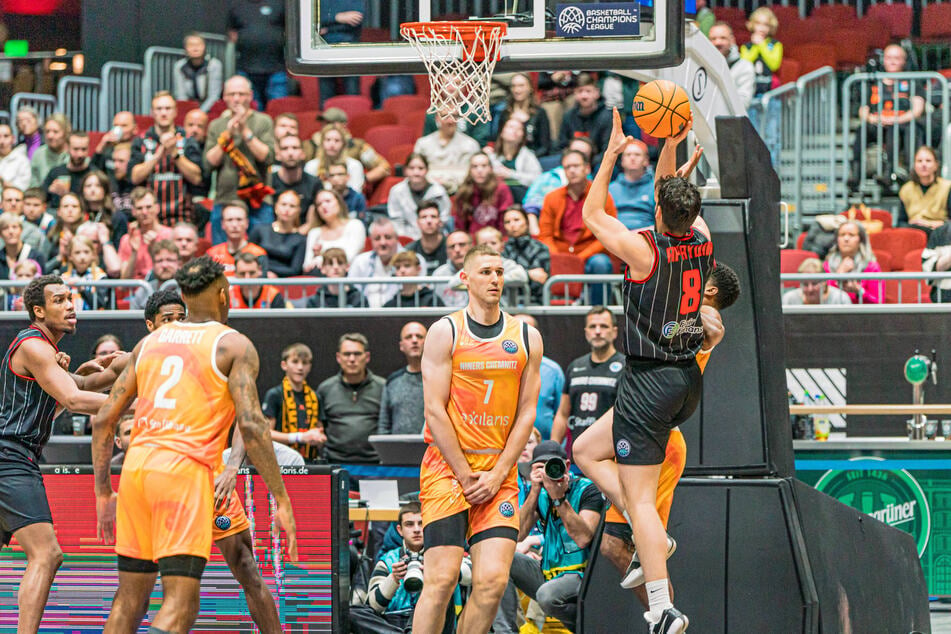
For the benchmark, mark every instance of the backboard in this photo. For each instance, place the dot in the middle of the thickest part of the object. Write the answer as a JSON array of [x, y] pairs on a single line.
[[543, 35]]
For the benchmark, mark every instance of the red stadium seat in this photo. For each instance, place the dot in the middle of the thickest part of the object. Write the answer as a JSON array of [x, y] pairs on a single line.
[[422, 84], [912, 261], [851, 49], [897, 17], [792, 32], [876, 31], [406, 103], [730, 14], [299, 292], [94, 138], [415, 119], [801, 239], [784, 12], [812, 56], [382, 191], [841, 13], [203, 245], [789, 71], [898, 242], [386, 136], [404, 240], [885, 260], [182, 108], [397, 154], [308, 123], [875, 214], [359, 124], [789, 261], [286, 104], [143, 122], [366, 85], [936, 21], [309, 89], [351, 104], [566, 264], [216, 109]]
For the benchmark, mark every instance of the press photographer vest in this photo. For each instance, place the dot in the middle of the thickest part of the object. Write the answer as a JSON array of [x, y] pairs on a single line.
[[561, 555]]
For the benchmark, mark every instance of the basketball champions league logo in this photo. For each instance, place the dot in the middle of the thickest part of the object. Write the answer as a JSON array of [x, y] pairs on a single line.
[[571, 19], [599, 19]]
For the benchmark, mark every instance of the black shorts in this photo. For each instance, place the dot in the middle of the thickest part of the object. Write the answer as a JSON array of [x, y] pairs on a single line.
[[22, 494], [653, 397], [619, 530]]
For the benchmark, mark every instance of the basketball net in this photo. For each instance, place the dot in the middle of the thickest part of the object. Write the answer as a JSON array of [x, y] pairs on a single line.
[[460, 58]]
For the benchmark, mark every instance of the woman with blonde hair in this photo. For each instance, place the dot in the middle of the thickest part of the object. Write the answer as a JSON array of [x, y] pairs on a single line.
[[766, 55], [331, 143], [332, 227]]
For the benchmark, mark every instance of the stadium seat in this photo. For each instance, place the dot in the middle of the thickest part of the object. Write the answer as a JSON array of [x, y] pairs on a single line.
[[382, 191], [789, 261], [404, 240], [936, 21], [885, 260], [397, 154], [203, 245], [898, 242], [851, 49], [143, 122], [299, 292], [366, 86], [801, 239], [384, 137], [875, 214], [789, 71], [308, 123], [912, 261], [94, 138], [286, 104], [841, 13], [422, 84], [216, 109], [819, 30], [876, 31], [897, 17], [785, 12], [360, 123], [912, 264], [374, 34], [415, 119], [351, 104], [792, 32], [566, 264], [812, 56], [309, 89], [182, 108], [730, 14], [406, 103]]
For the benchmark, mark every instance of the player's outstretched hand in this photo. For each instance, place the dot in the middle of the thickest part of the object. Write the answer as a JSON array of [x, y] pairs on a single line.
[[106, 517], [483, 488], [618, 140], [285, 520], [680, 136], [687, 168], [224, 486]]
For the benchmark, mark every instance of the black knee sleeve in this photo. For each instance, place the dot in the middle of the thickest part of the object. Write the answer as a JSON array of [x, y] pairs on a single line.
[[130, 564], [182, 566]]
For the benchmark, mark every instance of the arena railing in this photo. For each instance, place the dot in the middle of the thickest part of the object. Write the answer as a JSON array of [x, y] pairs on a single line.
[[220, 47], [132, 285], [45, 105], [159, 63], [78, 99], [610, 285], [903, 139], [918, 281], [121, 90]]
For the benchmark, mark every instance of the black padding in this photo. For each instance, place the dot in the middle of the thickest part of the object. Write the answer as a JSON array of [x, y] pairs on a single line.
[[131, 564], [182, 566]]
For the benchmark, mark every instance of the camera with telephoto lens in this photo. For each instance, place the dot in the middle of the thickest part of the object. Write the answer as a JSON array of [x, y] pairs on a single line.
[[555, 468], [413, 581]]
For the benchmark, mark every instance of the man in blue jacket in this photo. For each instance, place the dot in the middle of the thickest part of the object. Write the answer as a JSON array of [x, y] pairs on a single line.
[[633, 189]]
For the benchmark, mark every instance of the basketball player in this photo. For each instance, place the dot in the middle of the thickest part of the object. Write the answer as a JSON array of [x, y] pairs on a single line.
[[480, 385], [233, 537], [667, 269], [192, 379], [35, 386]]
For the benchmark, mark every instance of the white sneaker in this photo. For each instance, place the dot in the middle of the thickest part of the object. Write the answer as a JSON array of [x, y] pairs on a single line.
[[634, 576], [672, 621]]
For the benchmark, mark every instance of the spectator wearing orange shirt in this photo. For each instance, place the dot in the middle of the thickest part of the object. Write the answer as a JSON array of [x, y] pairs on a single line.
[[234, 222], [561, 227], [134, 245]]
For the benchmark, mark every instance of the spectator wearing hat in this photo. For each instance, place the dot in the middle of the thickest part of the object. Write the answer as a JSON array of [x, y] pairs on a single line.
[[331, 143], [633, 189]]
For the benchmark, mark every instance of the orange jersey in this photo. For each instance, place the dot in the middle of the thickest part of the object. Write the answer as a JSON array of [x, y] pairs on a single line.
[[184, 404], [484, 389]]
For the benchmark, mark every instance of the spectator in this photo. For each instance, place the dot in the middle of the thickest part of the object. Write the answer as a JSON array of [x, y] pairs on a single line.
[[196, 126], [406, 264], [401, 406], [458, 244], [386, 86], [334, 265], [34, 209], [481, 197], [291, 407], [705, 17], [481, 132], [107, 256], [14, 163], [53, 152], [937, 257], [120, 181], [331, 143], [68, 176], [567, 509], [108, 345], [766, 55], [550, 181], [257, 29], [555, 93], [248, 267], [28, 130], [185, 236], [514, 273], [234, 220], [166, 162], [281, 240], [521, 103], [124, 129], [133, 247], [12, 201], [70, 214], [591, 379], [742, 70], [26, 270], [350, 403], [529, 253], [589, 118], [341, 21], [852, 253], [549, 396], [332, 227], [375, 167], [815, 291], [97, 196], [14, 248], [925, 200], [337, 179], [407, 197], [196, 131], [83, 268], [431, 244], [240, 150], [378, 262], [166, 260], [561, 226], [512, 160], [447, 150], [290, 174], [633, 189], [197, 76], [286, 124], [123, 438]]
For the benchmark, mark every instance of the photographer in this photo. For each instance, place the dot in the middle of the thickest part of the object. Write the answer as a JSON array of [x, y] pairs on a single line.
[[567, 510]]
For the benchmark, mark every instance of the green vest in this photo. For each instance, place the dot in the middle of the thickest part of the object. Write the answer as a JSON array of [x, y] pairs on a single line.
[[561, 555]]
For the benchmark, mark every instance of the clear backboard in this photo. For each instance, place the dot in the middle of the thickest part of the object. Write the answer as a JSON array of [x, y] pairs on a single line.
[[543, 35]]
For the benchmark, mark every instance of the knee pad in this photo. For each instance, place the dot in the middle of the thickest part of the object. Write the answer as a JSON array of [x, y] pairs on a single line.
[[131, 564], [182, 566]]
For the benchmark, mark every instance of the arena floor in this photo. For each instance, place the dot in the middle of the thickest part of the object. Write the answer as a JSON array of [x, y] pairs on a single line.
[[941, 617]]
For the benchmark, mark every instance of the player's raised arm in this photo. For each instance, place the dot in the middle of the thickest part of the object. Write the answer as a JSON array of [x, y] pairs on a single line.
[[610, 231], [39, 359], [242, 383], [437, 375]]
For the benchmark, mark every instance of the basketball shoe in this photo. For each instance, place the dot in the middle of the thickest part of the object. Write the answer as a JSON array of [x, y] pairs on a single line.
[[634, 576], [672, 621]]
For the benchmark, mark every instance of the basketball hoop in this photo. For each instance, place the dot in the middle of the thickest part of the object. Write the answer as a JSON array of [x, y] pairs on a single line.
[[460, 58]]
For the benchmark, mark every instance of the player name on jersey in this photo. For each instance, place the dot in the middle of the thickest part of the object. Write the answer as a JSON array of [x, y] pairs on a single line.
[[488, 365], [187, 337], [687, 251]]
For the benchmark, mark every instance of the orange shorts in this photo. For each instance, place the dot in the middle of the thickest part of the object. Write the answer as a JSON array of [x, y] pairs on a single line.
[[166, 505], [440, 494], [237, 521], [670, 471]]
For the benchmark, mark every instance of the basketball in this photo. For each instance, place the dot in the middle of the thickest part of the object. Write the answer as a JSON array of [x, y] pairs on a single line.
[[661, 108]]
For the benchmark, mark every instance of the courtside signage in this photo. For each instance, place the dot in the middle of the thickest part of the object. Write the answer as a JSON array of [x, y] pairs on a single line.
[[602, 19]]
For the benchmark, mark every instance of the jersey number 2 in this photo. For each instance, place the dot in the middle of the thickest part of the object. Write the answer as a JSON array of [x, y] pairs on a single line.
[[692, 285], [172, 368]]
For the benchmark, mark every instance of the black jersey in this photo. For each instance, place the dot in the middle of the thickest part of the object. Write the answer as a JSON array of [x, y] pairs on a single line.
[[663, 309], [591, 388], [26, 411]]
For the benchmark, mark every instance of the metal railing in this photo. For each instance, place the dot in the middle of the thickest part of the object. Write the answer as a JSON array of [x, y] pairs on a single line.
[[134, 285], [78, 99], [121, 90], [896, 143], [610, 285], [45, 105], [912, 278], [159, 64], [220, 47]]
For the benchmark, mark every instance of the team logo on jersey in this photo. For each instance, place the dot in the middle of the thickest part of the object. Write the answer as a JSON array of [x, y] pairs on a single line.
[[616, 366], [510, 346], [686, 327], [506, 509], [223, 522], [623, 448]]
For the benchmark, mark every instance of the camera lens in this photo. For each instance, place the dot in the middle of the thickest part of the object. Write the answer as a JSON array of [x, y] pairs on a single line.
[[555, 468]]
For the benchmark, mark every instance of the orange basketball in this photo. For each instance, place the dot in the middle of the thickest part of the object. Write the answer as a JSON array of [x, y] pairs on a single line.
[[661, 108]]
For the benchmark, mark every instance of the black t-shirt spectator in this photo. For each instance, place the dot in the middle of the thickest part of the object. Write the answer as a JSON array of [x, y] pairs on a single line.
[[285, 251], [75, 182], [433, 260], [166, 180], [425, 296], [307, 188], [273, 407], [323, 298], [260, 27]]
